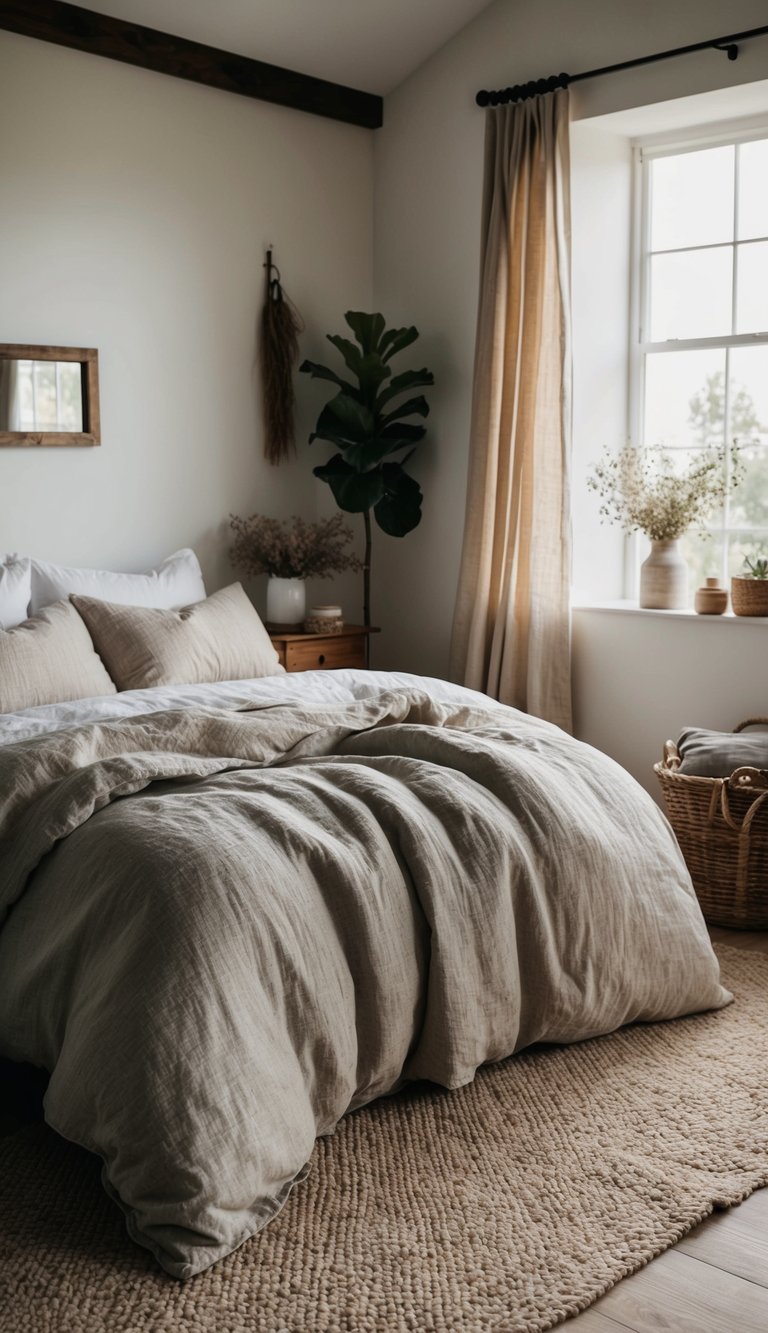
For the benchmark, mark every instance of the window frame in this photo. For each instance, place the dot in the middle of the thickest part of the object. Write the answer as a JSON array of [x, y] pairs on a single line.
[[645, 150]]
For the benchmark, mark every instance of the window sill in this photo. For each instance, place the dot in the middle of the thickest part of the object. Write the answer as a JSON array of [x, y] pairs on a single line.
[[625, 607]]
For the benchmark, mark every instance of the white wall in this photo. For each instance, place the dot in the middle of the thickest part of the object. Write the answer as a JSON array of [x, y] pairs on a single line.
[[134, 214], [428, 187], [639, 679]]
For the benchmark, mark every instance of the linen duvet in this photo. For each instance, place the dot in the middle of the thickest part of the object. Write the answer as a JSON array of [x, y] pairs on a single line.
[[231, 914]]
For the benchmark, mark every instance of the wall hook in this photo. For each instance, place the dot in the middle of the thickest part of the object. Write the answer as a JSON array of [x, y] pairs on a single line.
[[273, 272]]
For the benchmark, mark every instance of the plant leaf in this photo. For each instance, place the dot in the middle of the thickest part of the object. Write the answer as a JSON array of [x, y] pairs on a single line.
[[353, 491], [330, 428], [395, 340], [401, 432], [352, 355], [371, 374], [353, 417], [409, 379], [413, 407], [399, 509], [369, 453], [319, 372], [366, 328]]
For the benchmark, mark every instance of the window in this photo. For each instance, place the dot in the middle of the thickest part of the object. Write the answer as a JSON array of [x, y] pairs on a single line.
[[699, 354]]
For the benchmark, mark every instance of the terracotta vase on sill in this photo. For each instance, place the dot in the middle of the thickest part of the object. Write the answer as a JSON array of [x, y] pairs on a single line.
[[664, 578]]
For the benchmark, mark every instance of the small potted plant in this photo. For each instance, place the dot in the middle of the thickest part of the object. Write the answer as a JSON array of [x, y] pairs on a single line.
[[749, 592], [290, 551]]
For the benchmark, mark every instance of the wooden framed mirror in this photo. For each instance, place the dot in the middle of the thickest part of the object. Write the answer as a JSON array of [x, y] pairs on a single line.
[[48, 396]]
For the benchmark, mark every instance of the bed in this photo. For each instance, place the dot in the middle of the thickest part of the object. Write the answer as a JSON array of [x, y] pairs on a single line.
[[233, 913]]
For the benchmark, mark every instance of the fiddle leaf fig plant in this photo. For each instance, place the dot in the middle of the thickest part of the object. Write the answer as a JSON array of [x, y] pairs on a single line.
[[366, 422]]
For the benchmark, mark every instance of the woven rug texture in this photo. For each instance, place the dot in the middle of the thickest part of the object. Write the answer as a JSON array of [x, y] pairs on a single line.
[[507, 1205]]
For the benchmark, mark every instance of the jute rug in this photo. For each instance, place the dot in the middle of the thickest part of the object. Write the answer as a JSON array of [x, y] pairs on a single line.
[[507, 1205]]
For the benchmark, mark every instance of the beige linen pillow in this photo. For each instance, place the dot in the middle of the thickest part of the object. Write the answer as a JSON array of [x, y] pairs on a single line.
[[49, 659], [220, 638]]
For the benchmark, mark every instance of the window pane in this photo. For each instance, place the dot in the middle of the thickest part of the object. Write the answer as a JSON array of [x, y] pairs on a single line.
[[705, 559], [749, 394], [754, 546], [692, 199], [752, 306], [691, 294], [749, 502], [685, 398], [749, 426], [753, 189]]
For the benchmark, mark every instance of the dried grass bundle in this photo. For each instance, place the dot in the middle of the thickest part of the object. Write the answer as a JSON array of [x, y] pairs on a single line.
[[281, 325]]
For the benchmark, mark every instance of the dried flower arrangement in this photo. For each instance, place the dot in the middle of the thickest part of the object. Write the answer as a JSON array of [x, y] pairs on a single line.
[[643, 492], [292, 548]]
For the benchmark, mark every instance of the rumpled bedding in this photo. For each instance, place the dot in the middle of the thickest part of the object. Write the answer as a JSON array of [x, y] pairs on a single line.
[[223, 927]]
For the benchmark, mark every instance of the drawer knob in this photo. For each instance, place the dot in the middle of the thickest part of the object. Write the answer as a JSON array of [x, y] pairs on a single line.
[[321, 659]]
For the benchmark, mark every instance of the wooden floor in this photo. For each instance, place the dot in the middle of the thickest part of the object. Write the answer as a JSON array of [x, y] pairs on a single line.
[[714, 1281]]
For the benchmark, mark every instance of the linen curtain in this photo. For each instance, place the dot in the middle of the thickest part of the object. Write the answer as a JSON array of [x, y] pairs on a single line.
[[511, 632]]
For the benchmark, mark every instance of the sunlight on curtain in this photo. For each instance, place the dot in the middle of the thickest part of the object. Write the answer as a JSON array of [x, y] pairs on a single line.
[[511, 633]]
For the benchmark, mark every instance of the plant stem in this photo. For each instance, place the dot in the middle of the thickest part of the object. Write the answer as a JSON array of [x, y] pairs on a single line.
[[367, 583]]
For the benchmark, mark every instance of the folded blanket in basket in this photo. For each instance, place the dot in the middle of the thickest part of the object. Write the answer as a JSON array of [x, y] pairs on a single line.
[[716, 754]]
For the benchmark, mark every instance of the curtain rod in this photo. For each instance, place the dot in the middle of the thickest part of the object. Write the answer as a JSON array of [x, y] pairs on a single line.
[[518, 93]]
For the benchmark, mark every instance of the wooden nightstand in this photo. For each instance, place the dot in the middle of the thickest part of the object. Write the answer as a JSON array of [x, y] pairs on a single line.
[[313, 652]]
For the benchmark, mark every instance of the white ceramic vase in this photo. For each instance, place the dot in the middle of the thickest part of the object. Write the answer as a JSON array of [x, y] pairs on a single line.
[[664, 578], [286, 601]]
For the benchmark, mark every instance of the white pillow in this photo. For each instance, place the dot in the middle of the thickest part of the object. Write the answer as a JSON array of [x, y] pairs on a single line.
[[15, 590], [176, 582]]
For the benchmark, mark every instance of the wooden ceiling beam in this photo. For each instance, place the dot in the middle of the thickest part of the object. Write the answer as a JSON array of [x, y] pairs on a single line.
[[84, 30]]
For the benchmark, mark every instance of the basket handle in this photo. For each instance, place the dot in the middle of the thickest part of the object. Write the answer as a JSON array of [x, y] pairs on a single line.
[[751, 722], [671, 761], [744, 829], [755, 779], [739, 780]]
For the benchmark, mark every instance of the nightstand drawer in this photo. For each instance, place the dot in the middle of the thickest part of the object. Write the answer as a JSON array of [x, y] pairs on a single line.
[[320, 652], [332, 651]]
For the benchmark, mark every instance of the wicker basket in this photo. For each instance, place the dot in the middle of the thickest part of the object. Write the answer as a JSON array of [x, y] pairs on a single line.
[[749, 597], [721, 825]]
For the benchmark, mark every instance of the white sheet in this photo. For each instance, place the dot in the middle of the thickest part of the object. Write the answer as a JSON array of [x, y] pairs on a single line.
[[302, 687]]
